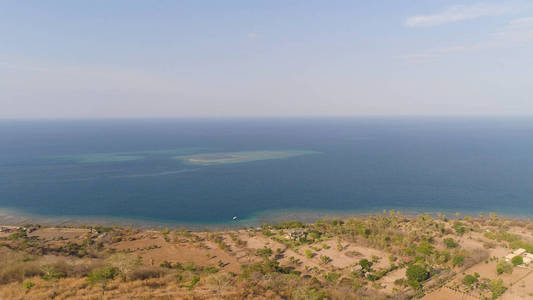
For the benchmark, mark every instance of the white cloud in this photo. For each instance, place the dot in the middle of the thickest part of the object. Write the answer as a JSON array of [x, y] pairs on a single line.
[[516, 33], [458, 13], [521, 22]]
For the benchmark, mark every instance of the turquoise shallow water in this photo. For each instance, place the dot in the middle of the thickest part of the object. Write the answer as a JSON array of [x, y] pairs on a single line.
[[126, 169]]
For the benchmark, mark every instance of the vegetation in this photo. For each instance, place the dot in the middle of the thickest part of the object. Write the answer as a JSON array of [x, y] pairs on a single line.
[[517, 260], [416, 273], [504, 267], [450, 243], [470, 279], [288, 260]]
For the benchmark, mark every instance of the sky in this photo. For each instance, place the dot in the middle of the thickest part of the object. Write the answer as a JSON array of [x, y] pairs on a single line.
[[150, 59]]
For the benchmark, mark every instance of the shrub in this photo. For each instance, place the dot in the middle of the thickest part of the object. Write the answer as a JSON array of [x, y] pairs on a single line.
[[497, 288], [459, 228], [325, 259], [469, 280], [306, 293], [50, 271], [521, 244], [332, 277], [101, 229], [27, 285], [425, 248], [400, 282], [308, 253], [450, 243], [458, 260], [289, 225], [365, 264], [195, 279], [265, 252], [268, 233], [504, 267]]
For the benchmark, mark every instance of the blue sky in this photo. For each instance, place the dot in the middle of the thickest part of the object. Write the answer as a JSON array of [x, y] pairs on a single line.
[[102, 59]]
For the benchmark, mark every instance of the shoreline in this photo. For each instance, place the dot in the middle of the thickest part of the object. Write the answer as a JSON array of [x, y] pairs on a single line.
[[14, 217]]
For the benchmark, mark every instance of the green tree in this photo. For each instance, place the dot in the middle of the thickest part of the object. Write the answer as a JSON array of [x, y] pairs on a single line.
[[416, 273], [517, 260]]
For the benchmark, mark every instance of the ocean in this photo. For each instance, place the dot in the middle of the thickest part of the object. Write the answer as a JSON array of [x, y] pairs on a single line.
[[134, 169]]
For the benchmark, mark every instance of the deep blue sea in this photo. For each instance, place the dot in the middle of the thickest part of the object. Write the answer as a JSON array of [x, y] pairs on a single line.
[[127, 168]]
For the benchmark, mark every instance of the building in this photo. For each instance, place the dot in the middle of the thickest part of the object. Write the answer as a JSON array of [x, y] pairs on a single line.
[[528, 258], [519, 252]]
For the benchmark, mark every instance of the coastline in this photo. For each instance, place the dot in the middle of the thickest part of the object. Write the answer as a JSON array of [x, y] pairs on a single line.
[[14, 217]]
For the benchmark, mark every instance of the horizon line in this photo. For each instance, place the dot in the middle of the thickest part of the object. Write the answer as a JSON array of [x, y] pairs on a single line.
[[256, 117]]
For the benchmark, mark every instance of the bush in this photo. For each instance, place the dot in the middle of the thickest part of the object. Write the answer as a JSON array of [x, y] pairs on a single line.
[[458, 260], [365, 264], [289, 225], [450, 243], [517, 260], [145, 272], [308, 253], [459, 228], [400, 282], [425, 248], [51, 271], [416, 273], [521, 244], [102, 275], [27, 285], [265, 252], [268, 233], [497, 288], [332, 277], [469, 280], [504, 267]]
